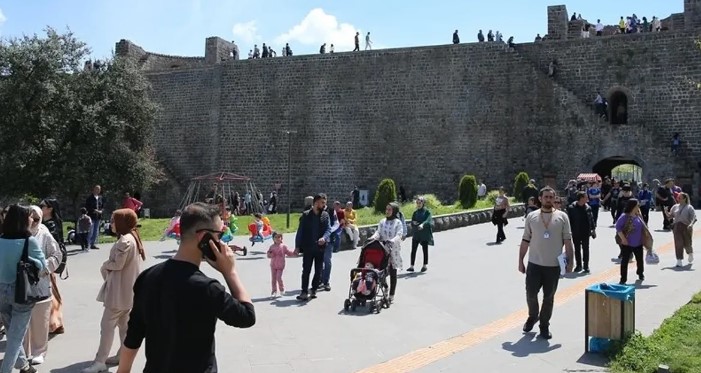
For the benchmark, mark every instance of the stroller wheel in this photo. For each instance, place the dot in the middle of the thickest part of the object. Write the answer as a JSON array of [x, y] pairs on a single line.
[[353, 306], [346, 305]]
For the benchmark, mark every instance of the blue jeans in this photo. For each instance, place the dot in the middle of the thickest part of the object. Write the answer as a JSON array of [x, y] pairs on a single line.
[[94, 232], [328, 253], [16, 319]]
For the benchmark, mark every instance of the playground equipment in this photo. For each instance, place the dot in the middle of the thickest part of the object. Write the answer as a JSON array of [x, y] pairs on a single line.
[[215, 187]]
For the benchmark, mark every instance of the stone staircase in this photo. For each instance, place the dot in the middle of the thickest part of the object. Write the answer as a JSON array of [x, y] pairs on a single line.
[[683, 165], [583, 109]]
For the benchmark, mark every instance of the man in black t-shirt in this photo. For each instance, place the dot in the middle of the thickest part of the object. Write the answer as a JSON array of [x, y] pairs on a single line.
[[176, 306], [666, 200]]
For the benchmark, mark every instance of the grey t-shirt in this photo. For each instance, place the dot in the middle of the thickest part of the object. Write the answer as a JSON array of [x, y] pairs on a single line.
[[545, 244]]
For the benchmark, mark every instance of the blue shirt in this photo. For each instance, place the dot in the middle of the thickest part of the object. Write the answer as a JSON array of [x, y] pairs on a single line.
[[594, 192], [645, 195], [10, 254]]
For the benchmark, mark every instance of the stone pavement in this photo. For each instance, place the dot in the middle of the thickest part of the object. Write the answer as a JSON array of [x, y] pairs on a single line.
[[464, 314]]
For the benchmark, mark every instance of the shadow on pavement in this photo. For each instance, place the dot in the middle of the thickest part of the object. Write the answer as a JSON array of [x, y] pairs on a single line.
[[597, 360], [73, 368], [529, 344], [679, 269]]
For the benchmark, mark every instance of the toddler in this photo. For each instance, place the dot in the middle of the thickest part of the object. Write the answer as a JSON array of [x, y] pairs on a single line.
[[173, 229], [364, 281], [83, 227], [277, 253]]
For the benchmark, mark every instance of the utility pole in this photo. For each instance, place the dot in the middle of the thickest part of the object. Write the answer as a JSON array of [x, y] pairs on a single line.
[[289, 134]]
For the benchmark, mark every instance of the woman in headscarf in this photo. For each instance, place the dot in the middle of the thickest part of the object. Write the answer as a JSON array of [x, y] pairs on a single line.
[[390, 231], [51, 217], [36, 341], [119, 272], [422, 225]]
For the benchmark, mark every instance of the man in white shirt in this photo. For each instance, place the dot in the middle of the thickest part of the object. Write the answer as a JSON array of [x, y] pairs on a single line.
[[599, 28], [544, 233], [481, 191], [368, 43]]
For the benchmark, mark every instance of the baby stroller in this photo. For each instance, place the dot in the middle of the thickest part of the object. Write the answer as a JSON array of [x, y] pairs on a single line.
[[369, 280]]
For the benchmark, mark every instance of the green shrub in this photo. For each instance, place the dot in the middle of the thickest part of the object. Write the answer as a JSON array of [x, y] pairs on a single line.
[[386, 193], [520, 182], [492, 196], [432, 202], [467, 191]]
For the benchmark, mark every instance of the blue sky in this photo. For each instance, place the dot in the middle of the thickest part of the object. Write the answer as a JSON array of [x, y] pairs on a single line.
[[179, 27]]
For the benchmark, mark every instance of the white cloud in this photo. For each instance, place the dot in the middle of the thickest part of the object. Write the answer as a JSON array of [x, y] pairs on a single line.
[[317, 28], [245, 33], [2, 17]]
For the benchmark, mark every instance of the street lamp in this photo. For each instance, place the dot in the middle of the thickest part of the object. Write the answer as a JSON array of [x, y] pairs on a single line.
[[289, 173]]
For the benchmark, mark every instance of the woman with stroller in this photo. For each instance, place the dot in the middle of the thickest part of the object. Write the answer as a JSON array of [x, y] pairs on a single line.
[[390, 232]]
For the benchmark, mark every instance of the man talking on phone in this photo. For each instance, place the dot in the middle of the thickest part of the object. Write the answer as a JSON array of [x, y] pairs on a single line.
[[176, 306]]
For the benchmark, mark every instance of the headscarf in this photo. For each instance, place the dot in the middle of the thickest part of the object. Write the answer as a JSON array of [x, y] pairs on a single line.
[[395, 210], [125, 221], [37, 210]]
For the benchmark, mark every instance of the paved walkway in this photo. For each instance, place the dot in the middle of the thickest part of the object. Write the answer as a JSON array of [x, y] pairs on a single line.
[[464, 314]]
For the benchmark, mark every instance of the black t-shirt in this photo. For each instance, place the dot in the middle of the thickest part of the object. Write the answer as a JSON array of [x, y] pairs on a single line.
[[664, 192], [176, 308]]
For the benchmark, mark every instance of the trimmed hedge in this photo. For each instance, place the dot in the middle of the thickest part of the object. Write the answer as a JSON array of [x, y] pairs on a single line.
[[386, 193], [467, 191], [520, 182]]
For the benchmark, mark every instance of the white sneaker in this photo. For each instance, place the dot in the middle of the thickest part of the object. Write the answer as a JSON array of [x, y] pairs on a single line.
[[37, 360], [679, 263], [97, 367], [690, 258], [113, 360]]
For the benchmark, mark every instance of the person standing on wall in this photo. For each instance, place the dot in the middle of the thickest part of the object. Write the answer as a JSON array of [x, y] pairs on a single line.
[[357, 45], [544, 233], [583, 226], [94, 204], [422, 226]]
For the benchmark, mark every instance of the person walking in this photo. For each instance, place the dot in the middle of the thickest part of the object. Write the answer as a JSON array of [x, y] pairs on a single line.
[[545, 231], [630, 232], [119, 273], [683, 216], [583, 226], [15, 316], [313, 235], [501, 210], [391, 233], [176, 306], [422, 228]]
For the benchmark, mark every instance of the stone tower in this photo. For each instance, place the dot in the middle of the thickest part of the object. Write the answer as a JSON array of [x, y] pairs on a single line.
[[557, 22], [692, 14]]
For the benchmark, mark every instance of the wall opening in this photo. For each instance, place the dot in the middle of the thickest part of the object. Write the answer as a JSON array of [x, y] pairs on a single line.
[[620, 168], [618, 106]]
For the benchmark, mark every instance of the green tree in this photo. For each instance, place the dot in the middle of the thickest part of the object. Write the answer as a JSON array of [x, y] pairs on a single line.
[[386, 193], [63, 128], [467, 191], [520, 182]]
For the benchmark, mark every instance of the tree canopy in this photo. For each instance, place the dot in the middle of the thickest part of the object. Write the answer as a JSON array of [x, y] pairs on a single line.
[[64, 128]]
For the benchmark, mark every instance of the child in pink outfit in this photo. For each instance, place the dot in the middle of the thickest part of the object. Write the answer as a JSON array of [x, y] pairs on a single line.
[[277, 253]]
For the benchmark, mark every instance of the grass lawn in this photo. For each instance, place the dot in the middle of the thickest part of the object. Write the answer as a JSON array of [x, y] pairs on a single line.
[[152, 229], [677, 344]]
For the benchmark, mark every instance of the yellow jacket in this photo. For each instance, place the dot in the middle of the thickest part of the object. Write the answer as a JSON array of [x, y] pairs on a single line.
[[350, 216]]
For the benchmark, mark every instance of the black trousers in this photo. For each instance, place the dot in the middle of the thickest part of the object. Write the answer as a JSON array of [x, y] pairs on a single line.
[[595, 213], [546, 278], [645, 212], [312, 256], [415, 246], [581, 246], [666, 222], [626, 252], [392, 280]]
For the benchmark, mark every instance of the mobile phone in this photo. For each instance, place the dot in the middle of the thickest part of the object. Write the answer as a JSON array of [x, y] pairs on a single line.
[[204, 247]]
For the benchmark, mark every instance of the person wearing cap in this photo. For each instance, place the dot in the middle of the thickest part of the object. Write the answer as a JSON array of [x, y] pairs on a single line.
[[666, 198]]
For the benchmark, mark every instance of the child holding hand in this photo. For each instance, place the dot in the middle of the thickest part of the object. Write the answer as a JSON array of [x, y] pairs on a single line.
[[277, 253]]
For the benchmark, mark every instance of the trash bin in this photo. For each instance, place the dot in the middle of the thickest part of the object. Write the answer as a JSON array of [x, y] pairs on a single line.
[[147, 213], [609, 315]]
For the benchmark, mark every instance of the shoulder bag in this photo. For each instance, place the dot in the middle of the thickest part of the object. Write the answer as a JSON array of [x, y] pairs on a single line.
[[28, 288], [627, 228]]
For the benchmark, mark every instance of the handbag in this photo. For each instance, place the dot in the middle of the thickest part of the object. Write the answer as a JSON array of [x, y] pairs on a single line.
[[28, 287], [627, 228]]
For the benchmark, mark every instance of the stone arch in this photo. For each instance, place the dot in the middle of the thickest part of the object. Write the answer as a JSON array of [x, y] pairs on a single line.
[[604, 166], [619, 99]]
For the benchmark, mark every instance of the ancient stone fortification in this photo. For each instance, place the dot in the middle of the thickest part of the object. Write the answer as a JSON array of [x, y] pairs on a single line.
[[425, 116]]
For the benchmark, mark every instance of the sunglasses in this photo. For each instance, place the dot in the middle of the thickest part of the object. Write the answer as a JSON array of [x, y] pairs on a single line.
[[218, 234]]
